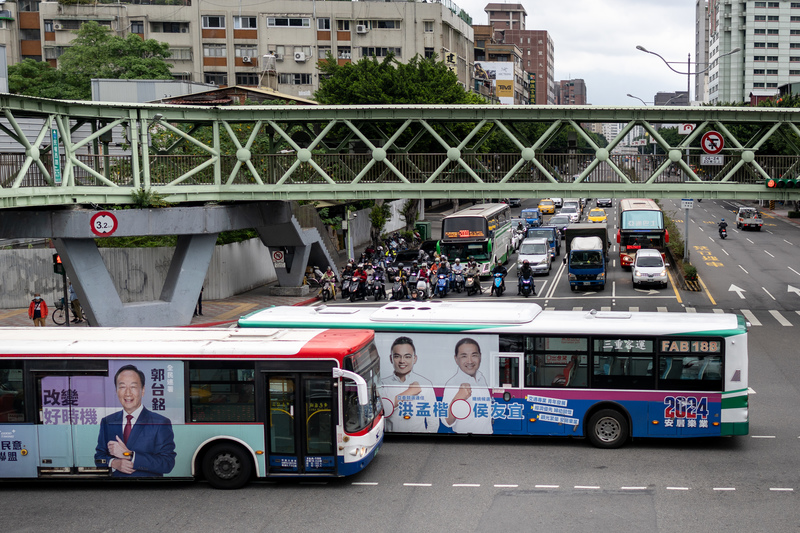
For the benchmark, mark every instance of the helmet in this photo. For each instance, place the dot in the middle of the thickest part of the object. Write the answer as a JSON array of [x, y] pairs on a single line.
[[723, 220], [361, 265], [497, 261], [526, 262], [329, 267], [458, 260], [380, 248], [401, 265]]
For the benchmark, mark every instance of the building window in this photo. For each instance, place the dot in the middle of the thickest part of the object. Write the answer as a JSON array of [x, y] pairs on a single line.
[[795, 5], [760, 4], [772, 45], [54, 52], [759, 45], [286, 22], [137, 26], [794, 45], [429, 53], [343, 25], [306, 50], [760, 31], [758, 85], [247, 78], [245, 50], [772, 58], [759, 58], [772, 32], [217, 78], [344, 52], [214, 50], [772, 72], [773, 18], [180, 54], [794, 59], [427, 26], [322, 51], [795, 19], [758, 71], [48, 25], [773, 4], [169, 27], [377, 51], [324, 24], [380, 24], [213, 22], [760, 18], [245, 23], [294, 79], [794, 73], [772, 85]]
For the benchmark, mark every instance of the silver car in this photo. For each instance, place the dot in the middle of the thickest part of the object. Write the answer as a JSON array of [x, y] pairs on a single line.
[[537, 253], [572, 212], [649, 268]]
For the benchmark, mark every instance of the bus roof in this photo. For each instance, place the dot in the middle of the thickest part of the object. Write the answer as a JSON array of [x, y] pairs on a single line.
[[181, 343], [640, 204], [480, 210], [443, 316]]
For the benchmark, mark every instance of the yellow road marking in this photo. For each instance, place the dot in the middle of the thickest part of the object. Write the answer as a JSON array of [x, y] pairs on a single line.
[[706, 290], [674, 287], [15, 312]]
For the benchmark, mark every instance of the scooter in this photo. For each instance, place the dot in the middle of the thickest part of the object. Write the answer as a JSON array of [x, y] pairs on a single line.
[[378, 288], [472, 285], [442, 282], [397, 289], [497, 284], [458, 282], [356, 289], [346, 287], [526, 287], [327, 290], [723, 233]]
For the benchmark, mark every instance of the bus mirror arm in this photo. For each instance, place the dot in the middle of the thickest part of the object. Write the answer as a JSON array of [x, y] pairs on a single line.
[[361, 384]]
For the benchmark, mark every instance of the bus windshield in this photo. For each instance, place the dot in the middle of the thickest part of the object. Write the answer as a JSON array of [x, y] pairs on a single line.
[[479, 251], [365, 363], [464, 228], [642, 220]]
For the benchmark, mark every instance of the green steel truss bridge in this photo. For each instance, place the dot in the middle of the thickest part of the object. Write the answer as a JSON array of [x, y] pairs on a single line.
[[65, 153]]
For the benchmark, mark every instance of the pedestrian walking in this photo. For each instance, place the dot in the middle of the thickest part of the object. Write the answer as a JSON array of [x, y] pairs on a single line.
[[37, 311], [198, 309], [75, 303]]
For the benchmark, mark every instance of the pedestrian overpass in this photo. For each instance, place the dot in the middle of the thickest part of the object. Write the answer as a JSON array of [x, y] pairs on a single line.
[[67, 153], [62, 164]]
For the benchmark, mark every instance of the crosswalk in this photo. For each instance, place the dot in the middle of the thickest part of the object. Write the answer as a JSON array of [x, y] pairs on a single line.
[[754, 318]]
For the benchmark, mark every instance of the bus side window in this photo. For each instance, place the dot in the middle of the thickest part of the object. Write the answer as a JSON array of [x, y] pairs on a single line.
[[12, 392]]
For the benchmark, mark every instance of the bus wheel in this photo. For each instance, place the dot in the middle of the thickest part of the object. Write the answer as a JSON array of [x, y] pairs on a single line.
[[607, 429], [227, 466]]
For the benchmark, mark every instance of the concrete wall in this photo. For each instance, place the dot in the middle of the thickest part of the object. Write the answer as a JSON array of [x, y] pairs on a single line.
[[138, 273]]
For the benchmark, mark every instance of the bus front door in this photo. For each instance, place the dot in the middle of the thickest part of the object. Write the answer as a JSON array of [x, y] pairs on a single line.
[[300, 431], [68, 416]]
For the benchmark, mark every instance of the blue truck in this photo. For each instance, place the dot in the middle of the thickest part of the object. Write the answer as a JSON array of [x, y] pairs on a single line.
[[532, 216], [586, 255]]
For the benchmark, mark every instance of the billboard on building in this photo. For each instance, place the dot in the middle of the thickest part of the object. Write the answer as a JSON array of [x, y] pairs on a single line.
[[501, 77]]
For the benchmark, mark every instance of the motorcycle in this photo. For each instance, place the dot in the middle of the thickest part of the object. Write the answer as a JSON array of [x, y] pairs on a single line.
[[419, 284], [723, 233], [458, 282], [369, 290], [346, 287], [526, 287], [327, 290], [378, 289], [442, 282], [398, 293], [497, 284], [357, 289], [472, 285]]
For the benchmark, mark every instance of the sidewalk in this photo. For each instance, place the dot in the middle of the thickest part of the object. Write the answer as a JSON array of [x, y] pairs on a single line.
[[215, 312]]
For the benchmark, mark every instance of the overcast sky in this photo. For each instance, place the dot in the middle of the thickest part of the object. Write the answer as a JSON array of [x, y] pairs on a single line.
[[596, 40]]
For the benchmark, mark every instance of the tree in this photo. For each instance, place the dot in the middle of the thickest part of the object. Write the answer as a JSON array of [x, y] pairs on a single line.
[[94, 53]]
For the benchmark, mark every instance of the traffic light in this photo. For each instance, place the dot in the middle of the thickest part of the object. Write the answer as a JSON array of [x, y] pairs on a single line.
[[58, 266], [791, 183], [782, 183], [771, 183]]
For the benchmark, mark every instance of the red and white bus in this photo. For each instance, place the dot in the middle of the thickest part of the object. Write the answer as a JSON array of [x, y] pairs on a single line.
[[224, 405], [641, 225]]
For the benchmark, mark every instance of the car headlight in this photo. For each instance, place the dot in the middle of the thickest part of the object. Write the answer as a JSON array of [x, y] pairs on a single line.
[[601, 275], [544, 261], [663, 273], [637, 273]]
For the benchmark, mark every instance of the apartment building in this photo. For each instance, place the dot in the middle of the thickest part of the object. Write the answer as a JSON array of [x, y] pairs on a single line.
[[768, 34], [536, 47], [571, 92], [223, 41]]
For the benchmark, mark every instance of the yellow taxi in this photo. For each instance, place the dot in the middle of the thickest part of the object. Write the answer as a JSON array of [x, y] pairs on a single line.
[[597, 215], [547, 207]]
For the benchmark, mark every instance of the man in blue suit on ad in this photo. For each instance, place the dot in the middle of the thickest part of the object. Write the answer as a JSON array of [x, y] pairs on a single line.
[[135, 442]]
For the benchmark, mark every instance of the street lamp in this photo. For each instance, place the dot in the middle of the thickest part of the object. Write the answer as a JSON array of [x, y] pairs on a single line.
[[688, 72]]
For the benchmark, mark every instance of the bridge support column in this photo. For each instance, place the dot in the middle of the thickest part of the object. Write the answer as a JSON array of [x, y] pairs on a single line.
[[290, 276], [99, 297]]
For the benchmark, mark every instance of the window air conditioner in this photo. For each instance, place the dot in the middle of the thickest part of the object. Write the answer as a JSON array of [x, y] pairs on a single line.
[[246, 59], [278, 57], [361, 28], [300, 57], [57, 26]]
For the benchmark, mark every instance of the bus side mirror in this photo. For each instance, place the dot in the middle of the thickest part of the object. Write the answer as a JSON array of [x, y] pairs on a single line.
[[361, 384]]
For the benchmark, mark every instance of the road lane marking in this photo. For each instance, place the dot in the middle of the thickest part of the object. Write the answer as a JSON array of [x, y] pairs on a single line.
[[577, 308], [468, 485], [605, 308], [417, 484], [781, 489], [365, 483], [633, 488], [506, 486], [762, 436], [745, 271], [748, 240], [546, 486], [691, 310], [780, 318], [674, 286], [787, 242], [725, 488], [750, 317], [795, 271], [588, 487], [708, 293], [769, 254], [677, 488], [768, 294], [719, 311], [633, 309], [725, 252]]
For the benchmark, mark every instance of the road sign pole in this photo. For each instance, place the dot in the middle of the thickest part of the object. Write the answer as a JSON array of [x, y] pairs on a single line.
[[687, 204]]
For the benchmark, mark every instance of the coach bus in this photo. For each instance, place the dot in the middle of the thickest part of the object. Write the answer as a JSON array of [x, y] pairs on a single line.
[[224, 405], [514, 369], [641, 225], [482, 232]]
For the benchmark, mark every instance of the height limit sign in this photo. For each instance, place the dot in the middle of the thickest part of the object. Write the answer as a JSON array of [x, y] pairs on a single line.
[[712, 142]]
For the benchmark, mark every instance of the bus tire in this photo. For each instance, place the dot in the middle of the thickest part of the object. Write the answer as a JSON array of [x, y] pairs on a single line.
[[227, 466], [607, 428]]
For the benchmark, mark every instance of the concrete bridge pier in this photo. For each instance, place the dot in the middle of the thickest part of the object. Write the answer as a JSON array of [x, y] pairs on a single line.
[[101, 302]]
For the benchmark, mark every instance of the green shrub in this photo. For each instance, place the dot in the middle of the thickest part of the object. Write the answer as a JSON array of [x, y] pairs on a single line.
[[689, 271], [794, 214]]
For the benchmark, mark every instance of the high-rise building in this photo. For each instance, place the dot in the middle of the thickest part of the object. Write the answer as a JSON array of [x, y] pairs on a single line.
[[768, 34], [223, 41], [701, 33], [536, 46], [571, 92]]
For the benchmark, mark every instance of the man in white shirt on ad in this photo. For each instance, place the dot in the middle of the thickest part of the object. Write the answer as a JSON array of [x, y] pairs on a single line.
[[412, 395], [466, 394]]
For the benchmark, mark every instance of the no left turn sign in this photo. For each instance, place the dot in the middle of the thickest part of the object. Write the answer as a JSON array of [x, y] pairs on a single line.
[[712, 142], [277, 256]]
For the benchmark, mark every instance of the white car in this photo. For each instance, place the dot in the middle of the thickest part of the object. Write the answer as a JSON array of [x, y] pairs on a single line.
[[649, 268], [537, 253], [558, 202], [572, 212]]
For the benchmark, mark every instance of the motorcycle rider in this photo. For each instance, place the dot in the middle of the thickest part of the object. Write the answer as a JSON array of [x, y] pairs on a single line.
[[722, 226], [474, 272], [362, 280], [498, 267], [526, 272], [330, 277]]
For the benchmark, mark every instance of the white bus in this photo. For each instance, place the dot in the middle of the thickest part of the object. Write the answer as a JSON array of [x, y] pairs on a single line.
[[514, 369], [482, 232], [224, 405]]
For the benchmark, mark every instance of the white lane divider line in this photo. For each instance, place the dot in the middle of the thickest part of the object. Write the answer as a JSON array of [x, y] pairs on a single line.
[[497, 486], [728, 489], [546, 486], [365, 483], [750, 317], [633, 488], [763, 436], [745, 271], [469, 485], [781, 489], [417, 484], [768, 294], [588, 487], [677, 488]]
